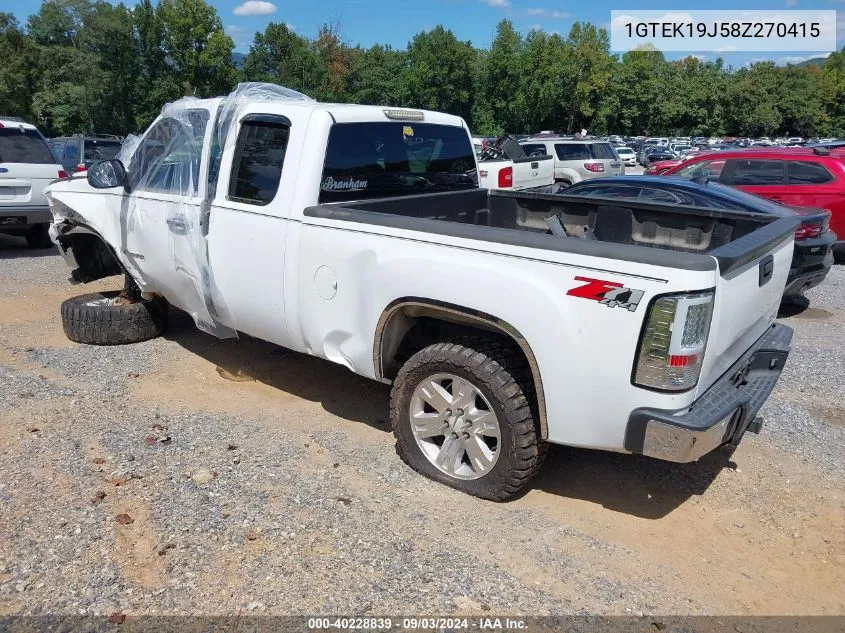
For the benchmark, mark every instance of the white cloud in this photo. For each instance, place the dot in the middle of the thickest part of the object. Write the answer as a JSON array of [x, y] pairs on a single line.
[[783, 61], [791, 3], [497, 3], [726, 49], [291, 27], [255, 7], [555, 15], [620, 21], [236, 32]]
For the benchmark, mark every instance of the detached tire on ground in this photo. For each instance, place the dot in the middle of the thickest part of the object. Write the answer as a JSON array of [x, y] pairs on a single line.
[[461, 417], [104, 318]]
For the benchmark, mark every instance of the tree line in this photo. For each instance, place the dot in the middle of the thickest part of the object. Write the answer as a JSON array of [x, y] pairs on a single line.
[[87, 66]]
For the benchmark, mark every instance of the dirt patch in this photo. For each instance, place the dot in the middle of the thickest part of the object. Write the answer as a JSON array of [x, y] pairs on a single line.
[[136, 541], [835, 416], [814, 314]]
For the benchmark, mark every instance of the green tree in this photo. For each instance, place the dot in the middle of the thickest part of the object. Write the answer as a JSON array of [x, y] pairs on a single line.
[[156, 82], [197, 48], [504, 78], [16, 72], [376, 76], [752, 108], [542, 63], [334, 62], [278, 55], [832, 88], [439, 75], [588, 68]]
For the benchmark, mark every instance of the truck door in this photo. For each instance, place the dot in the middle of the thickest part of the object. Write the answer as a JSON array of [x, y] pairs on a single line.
[[162, 216]]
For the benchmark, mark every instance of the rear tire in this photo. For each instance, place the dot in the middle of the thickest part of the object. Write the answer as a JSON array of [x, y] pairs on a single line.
[[103, 318], [38, 237], [513, 451]]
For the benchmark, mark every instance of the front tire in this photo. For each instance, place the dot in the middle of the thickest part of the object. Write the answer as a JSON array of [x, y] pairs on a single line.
[[461, 417], [109, 318]]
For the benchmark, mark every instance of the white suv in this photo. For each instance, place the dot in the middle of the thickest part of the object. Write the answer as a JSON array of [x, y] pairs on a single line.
[[577, 160], [26, 166]]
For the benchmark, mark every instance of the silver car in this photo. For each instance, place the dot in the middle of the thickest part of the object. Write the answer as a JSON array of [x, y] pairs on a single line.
[[577, 159]]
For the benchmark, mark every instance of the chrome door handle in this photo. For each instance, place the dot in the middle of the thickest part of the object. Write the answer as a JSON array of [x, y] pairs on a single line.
[[177, 225]]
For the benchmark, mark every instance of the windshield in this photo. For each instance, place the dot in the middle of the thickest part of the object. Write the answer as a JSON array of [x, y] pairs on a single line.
[[373, 160], [24, 146]]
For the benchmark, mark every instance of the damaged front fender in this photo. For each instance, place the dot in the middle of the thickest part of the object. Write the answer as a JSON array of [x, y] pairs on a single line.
[[85, 230], [85, 252]]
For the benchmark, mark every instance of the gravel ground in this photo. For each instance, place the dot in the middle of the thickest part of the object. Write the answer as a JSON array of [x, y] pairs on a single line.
[[187, 475]]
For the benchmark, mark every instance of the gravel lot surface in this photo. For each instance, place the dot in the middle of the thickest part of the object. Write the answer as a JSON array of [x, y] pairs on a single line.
[[195, 476]]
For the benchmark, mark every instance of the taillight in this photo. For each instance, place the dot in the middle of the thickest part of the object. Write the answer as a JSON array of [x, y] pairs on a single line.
[[81, 167], [506, 177], [806, 231], [672, 346], [62, 173], [594, 167]]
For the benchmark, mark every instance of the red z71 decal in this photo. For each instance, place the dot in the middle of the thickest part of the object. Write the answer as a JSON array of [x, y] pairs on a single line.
[[607, 293]]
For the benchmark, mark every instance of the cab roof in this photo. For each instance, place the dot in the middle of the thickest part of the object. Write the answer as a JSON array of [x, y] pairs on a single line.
[[16, 123]]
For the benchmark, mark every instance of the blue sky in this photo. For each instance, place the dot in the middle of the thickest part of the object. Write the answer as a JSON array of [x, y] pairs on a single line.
[[395, 22]]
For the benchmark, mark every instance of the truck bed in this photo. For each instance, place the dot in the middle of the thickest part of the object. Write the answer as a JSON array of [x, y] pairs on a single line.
[[659, 234]]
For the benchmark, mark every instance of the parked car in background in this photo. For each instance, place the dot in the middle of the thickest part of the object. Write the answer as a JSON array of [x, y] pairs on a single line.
[[505, 165], [835, 144], [813, 254], [659, 167], [656, 154], [577, 160], [800, 177], [78, 153], [627, 155], [646, 145], [27, 166]]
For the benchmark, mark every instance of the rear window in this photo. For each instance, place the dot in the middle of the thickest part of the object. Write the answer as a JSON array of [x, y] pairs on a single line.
[[572, 151], [534, 149], [24, 146], [96, 151], [603, 151], [807, 173], [373, 160]]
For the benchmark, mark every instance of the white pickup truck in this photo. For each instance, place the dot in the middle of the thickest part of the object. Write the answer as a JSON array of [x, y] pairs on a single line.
[[504, 320], [503, 164]]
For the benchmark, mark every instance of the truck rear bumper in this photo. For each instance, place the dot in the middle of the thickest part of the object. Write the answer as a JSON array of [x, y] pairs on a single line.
[[14, 219], [722, 414]]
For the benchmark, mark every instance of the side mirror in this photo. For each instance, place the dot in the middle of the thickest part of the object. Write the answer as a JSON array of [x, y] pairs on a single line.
[[107, 174]]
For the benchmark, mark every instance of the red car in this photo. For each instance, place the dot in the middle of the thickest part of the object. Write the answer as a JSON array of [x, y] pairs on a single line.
[[798, 177], [662, 166]]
